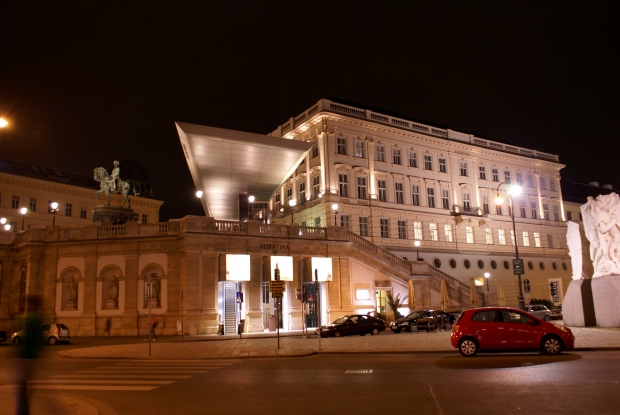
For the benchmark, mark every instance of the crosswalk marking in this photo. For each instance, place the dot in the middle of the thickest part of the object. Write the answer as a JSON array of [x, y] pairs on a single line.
[[103, 382], [120, 371], [84, 387], [148, 376]]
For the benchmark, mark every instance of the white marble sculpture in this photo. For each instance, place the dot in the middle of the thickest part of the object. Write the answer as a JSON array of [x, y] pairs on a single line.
[[573, 238], [601, 221]]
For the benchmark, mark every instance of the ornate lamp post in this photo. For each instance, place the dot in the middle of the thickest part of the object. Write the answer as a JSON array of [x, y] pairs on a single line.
[[486, 276], [5, 225], [54, 210], [23, 211], [199, 196], [417, 249], [292, 204], [251, 199], [335, 209], [517, 264]]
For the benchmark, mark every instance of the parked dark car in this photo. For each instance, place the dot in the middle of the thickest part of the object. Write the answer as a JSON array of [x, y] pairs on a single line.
[[353, 324], [427, 320], [490, 329]]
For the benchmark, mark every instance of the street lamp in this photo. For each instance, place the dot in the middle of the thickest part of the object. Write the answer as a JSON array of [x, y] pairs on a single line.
[[23, 212], [5, 225], [335, 209], [417, 249], [251, 199], [292, 203], [3, 123], [199, 196], [54, 210], [517, 264], [487, 275]]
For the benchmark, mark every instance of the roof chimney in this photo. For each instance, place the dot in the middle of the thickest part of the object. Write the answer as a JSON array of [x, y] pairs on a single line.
[[595, 184]]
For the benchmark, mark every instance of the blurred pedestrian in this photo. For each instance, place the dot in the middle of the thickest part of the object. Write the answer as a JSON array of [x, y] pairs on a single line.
[[29, 352], [108, 326], [153, 327]]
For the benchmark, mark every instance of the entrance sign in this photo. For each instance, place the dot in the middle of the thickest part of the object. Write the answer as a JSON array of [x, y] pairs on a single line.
[[517, 267]]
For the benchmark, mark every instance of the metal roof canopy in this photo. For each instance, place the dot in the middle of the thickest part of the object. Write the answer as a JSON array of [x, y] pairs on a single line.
[[225, 163]]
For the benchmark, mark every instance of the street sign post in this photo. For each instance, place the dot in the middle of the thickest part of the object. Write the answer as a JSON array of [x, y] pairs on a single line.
[[517, 267]]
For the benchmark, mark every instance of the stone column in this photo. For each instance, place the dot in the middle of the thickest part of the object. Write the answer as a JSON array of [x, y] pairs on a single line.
[[131, 323], [253, 300]]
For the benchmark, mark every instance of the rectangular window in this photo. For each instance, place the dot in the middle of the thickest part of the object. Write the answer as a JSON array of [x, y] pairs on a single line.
[[379, 153], [522, 208], [445, 199], [382, 190], [413, 159], [385, 228], [537, 239], [552, 184], [519, 179], [345, 221], [400, 193], [15, 202], [447, 230], [359, 149], [363, 226], [342, 146], [33, 204], [361, 188], [530, 180], [512, 238], [83, 212], [485, 204], [501, 237], [68, 209], [343, 185], [543, 183], [14, 226], [488, 234], [396, 156], [144, 218], [278, 202], [569, 215], [430, 196], [428, 162], [546, 211], [289, 194], [463, 165], [560, 241], [507, 176], [415, 195], [466, 202], [433, 230], [402, 229], [495, 175], [498, 209], [315, 151], [482, 173], [526, 239], [533, 210], [316, 187], [317, 222], [550, 240], [417, 230], [302, 193], [469, 234], [443, 166], [556, 213]]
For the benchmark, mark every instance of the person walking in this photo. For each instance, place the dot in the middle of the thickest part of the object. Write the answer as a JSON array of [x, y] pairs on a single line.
[[29, 352], [108, 326], [153, 327]]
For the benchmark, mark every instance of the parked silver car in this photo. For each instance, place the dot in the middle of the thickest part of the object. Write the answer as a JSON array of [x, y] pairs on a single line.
[[539, 311], [50, 333]]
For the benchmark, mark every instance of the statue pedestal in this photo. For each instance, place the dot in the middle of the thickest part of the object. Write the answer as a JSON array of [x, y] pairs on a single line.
[[578, 304], [111, 305], [605, 293], [70, 305], [112, 215]]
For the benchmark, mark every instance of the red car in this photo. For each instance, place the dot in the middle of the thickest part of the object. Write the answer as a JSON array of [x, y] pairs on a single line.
[[490, 329]]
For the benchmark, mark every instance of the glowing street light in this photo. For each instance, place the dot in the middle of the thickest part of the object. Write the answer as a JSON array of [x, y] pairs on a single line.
[[54, 210], [487, 275], [417, 249], [251, 199], [292, 203], [3, 123], [199, 196], [5, 225], [23, 211], [335, 209], [517, 264]]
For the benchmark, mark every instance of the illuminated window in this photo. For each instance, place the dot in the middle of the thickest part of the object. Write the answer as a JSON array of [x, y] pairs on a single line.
[[501, 237], [469, 234], [433, 230], [447, 229]]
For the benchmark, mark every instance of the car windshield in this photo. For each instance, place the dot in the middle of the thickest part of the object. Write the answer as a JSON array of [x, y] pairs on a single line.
[[415, 314], [62, 327], [341, 320]]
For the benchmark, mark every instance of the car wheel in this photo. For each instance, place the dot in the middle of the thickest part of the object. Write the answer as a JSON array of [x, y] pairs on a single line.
[[551, 345], [547, 318], [468, 347], [337, 334], [375, 332], [52, 340], [17, 340], [413, 327]]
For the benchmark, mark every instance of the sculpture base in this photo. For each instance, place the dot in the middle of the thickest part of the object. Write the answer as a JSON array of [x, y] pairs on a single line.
[[112, 215], [578, 305], [606, 292]]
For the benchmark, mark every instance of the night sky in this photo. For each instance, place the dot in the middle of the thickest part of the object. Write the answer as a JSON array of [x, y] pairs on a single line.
[[84, 83]]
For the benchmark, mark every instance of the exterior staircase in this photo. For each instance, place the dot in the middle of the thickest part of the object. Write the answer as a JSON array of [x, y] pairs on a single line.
[[230, 304]]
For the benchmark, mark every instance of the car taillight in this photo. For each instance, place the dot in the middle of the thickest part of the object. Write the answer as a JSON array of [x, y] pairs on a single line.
[[456, 328]]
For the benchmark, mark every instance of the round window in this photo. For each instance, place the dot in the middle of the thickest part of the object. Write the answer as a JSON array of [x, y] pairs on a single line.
[[554, 265], [506, 265], [437, 263], [493, 264], [452, 263], [542, 265], [480, 264], [564, 267], [466, 263], [530, 265]]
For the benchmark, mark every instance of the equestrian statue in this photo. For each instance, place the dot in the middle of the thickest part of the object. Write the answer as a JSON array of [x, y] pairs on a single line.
[[112, 184]]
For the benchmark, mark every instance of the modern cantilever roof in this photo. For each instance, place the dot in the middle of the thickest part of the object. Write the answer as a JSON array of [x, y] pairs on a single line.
[[226, 163]]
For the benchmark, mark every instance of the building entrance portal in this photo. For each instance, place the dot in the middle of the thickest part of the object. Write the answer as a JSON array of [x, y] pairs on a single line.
[[312, 319]]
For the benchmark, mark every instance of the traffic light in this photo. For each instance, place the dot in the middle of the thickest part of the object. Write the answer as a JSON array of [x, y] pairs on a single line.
[[298, 294]]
